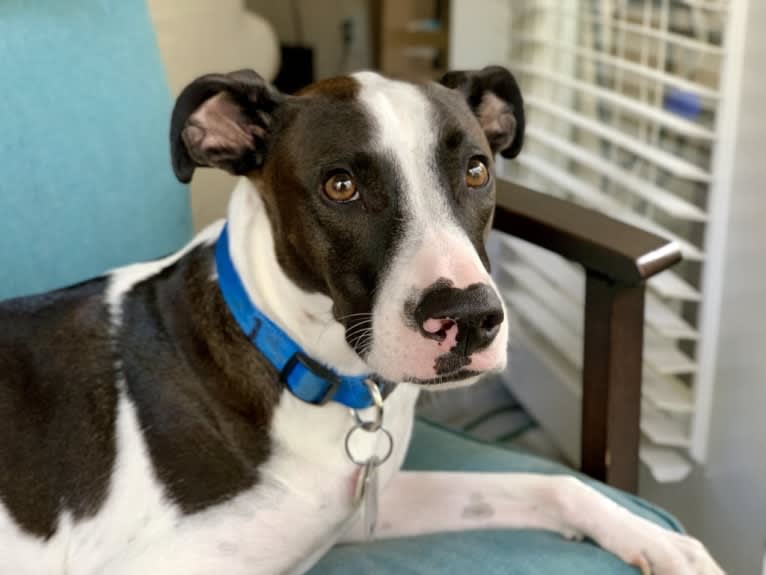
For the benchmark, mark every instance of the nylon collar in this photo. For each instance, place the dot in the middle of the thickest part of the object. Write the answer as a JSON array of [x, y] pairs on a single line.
[[306, 378]]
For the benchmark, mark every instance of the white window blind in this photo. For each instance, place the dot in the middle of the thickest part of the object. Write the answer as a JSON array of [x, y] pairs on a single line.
[[624, 101]]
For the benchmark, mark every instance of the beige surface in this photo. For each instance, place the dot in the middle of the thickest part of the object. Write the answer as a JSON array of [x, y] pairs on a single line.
[[320, 28], [201, 36]]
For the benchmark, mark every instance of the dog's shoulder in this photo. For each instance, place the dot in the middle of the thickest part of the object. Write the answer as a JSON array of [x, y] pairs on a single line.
[[54, 332], [23, 317]]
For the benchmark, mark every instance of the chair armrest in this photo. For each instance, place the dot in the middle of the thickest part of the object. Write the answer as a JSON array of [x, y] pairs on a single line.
[[608, 247], [618, 259]]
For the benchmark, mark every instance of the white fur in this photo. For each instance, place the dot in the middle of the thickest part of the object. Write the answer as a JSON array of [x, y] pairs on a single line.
[[417, 503], [134, 512], [297, 511], [124, 279], [434, 245]]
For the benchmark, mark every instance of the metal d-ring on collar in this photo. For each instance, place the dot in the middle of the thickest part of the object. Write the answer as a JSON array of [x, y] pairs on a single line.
[[370, 426]]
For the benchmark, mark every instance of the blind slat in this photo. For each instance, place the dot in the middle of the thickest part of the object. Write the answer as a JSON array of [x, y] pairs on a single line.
[[671, 286], [662, 159], [663, 430], [667, 393], [660, 428], [545, 314], [568, 277], [590, 194], [622, 64], [640, 109], [660, 35], [665, 464]]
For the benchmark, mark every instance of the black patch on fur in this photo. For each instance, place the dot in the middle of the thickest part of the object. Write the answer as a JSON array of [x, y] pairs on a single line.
[[450, 362], [58, 399], [454, 376], [340, 250], [204, 395]]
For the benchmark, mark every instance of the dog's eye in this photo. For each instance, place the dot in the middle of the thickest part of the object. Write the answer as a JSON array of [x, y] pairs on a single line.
[[477, 174], [341, 187]]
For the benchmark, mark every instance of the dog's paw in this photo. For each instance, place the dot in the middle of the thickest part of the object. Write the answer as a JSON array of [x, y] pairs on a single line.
[[657, 551]]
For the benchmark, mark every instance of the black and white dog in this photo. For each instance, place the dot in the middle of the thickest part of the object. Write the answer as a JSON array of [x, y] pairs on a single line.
[[199, 414]]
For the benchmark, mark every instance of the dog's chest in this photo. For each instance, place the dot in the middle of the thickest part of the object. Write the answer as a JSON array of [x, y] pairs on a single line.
[[302, 503], [299, 508]]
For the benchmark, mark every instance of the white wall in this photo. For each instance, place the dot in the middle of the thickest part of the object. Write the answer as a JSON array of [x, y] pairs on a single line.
[[321, 21], [477, 33]]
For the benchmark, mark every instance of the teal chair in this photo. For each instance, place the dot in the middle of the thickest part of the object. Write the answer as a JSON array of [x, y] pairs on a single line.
[[86, 186]]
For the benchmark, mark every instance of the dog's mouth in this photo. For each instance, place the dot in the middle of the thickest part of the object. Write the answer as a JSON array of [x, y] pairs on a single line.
[[452, 377], [425, 363]]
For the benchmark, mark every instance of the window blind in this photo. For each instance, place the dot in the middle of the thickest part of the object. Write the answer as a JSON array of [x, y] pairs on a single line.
[[623, 102]]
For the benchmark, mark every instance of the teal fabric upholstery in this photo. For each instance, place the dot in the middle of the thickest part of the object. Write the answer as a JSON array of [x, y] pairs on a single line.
[[483, 552], [86, 183]]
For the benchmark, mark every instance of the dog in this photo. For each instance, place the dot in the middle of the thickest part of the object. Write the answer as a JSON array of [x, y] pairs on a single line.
[[232, 408]]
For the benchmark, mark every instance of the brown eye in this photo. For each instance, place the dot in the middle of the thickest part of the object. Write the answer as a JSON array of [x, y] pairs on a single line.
[[341, 187], [477, 174]]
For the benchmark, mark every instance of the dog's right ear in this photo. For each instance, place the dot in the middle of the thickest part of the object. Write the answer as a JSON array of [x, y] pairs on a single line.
[[222, 121]]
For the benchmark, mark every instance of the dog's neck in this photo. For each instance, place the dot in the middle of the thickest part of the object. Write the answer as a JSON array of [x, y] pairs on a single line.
[[306, 317]]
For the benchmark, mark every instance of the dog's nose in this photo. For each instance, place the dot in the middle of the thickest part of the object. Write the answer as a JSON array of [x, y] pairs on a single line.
[[471, 316]]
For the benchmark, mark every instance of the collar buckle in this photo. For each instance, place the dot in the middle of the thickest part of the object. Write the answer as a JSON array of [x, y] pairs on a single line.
[[316, 368]]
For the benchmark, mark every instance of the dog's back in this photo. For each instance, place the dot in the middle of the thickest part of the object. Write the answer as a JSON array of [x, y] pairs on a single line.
[[57, 405]]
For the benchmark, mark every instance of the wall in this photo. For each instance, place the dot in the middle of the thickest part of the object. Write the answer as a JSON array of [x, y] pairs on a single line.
[[321, 21]]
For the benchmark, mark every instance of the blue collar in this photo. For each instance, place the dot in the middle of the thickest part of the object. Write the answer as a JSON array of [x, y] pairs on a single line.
[[306, 378]]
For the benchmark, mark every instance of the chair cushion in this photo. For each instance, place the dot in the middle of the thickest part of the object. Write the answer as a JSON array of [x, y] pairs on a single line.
[[86, 180], [516, 552]]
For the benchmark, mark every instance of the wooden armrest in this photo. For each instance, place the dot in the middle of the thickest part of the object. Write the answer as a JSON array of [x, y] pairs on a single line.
[[618, 258], [608, 247]]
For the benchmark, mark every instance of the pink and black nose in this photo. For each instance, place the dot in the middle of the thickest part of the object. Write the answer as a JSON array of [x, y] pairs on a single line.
[[463, 320]]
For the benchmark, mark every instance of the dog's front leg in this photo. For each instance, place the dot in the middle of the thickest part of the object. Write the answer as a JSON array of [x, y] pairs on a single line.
[[416, 503]]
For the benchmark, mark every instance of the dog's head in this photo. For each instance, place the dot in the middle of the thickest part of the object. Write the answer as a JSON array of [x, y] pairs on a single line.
[[380, 195]]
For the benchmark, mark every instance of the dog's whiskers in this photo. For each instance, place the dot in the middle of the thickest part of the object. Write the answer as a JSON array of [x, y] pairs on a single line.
[[365, 334], [363, 339], [350, 315], [332, 321], [365, 346], [360, 344], [360, 326]]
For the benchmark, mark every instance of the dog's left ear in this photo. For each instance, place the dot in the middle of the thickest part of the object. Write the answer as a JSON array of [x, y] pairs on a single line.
[[222, 121], [495, 98]]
